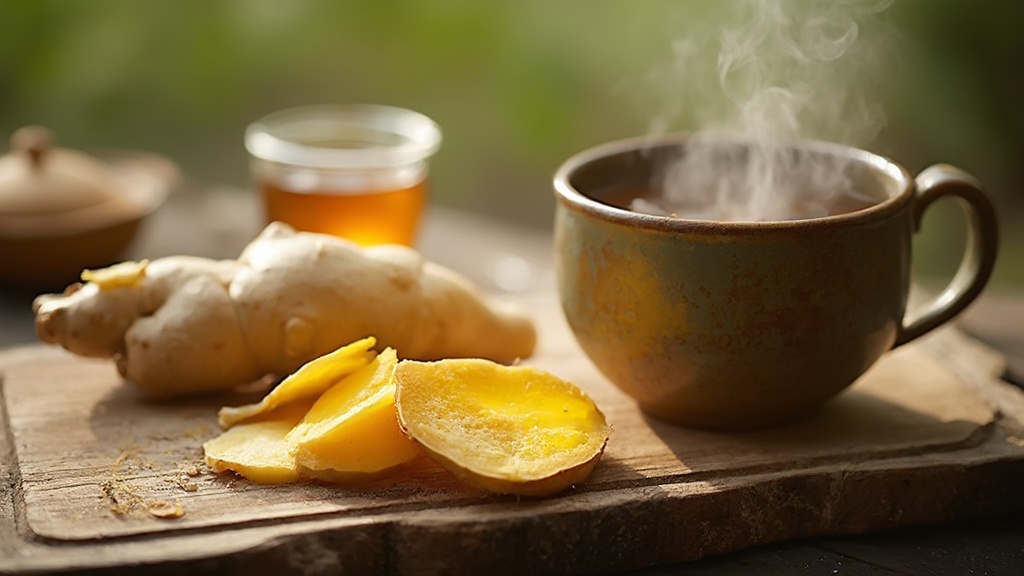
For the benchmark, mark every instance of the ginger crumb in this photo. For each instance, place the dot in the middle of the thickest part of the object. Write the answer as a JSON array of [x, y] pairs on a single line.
[[122, 457], [165, 510], [185, 483], [121, 497], [123, 492]]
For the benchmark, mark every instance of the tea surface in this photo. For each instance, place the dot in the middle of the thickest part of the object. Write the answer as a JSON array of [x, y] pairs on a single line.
[[650, 200]]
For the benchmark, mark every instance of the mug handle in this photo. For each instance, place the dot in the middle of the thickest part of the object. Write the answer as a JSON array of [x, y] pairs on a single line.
[[979, 253]]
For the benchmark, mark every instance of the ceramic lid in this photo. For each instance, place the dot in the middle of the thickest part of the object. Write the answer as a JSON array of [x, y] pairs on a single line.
[[38, 179]]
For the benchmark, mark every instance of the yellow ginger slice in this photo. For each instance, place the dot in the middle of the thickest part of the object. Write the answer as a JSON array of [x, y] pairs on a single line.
[[309, 381], [118, 275], [351, 433], [258, 449], [505, 429]]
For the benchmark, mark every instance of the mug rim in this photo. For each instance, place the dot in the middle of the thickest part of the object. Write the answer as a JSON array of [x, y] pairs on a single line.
[[570, 197]]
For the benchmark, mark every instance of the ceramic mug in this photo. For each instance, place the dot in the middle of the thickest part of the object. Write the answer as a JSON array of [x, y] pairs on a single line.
[[734, 325]]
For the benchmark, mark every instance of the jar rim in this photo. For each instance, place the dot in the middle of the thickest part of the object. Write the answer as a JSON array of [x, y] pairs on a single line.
[[343, 136]]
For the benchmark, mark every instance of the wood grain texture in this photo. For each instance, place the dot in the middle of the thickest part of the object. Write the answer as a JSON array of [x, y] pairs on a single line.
[[929, 435]]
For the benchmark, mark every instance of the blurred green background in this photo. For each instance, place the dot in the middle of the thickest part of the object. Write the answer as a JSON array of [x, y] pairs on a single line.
[[517, 86]]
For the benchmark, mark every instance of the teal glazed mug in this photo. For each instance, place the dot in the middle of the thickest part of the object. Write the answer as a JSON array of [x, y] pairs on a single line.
[[748, 324]]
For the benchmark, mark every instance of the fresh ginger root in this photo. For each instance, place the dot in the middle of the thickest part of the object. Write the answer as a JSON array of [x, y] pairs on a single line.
[[183, 325]]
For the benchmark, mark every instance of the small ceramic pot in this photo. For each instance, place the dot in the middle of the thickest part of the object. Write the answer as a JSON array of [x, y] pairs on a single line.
[[62, 211]]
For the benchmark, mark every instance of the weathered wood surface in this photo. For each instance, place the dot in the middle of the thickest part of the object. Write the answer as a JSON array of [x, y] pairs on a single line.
[[929, 435]]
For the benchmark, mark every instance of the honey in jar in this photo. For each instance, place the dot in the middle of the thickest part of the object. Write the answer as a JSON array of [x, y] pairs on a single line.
[[359, 172]]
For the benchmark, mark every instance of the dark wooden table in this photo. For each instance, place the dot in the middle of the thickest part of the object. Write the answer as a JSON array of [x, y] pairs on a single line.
[[505, 258]]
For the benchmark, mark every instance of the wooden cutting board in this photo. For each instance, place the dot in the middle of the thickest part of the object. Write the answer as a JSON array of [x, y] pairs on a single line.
[[91, 469]]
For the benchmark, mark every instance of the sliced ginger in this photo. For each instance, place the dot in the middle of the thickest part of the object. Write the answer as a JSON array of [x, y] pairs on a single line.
[[351, 434], [258, 449], [351, 417], [506, 429], [334, 419], [309, 381]]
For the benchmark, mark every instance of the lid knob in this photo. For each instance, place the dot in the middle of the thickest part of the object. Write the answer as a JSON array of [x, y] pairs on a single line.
[[34, 141]]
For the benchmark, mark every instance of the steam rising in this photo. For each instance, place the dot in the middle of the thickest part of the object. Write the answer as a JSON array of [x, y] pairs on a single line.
[[783, 70]]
